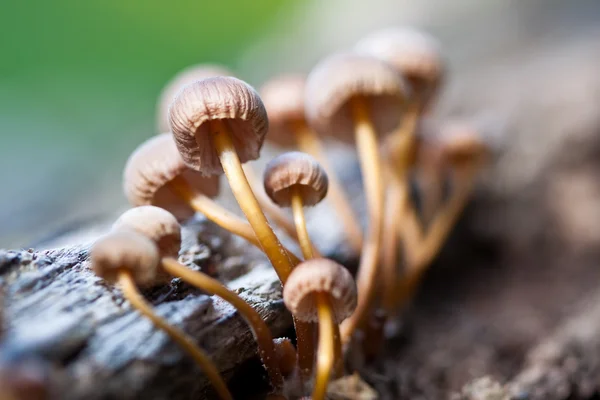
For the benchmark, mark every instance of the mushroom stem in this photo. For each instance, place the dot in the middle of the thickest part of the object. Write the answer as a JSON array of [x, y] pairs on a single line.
[[437, 234], [218, 214], [329, 346], [300, 221], [309, 142], [259, 328], [370, 162], [132, 294], [326, 356], [275, 213], [245, 197]]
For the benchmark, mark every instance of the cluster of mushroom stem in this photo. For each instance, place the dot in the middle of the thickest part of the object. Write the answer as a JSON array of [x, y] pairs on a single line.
[[377, 94]]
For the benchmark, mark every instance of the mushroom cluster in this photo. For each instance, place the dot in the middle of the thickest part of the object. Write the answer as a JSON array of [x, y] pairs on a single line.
[[376, 97]]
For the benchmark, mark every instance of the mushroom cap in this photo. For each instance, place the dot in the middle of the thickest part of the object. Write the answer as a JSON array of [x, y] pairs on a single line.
[[155, 223], [295, 169], [222, 98], [416, 55], [284, 100], [338, 79], [155, 163], [183, 78], [463, 144], [320, 275], [127, 250], [286, 355]]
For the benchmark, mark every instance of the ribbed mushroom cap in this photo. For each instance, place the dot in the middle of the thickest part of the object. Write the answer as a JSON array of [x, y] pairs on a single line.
[[284, 100], [223, 98], [415, 54], [463, 144], [183, 78], [126, 250], [155, 223], [320, 275], [295, 169], [341, 77], [152, 166]]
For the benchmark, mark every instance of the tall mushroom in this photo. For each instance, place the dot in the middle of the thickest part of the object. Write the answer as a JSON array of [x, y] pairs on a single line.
[[218, 124], [161, 227], [156, 175], [322, 290], [284, 101], [181, 79], [357, 97], [131, 259]]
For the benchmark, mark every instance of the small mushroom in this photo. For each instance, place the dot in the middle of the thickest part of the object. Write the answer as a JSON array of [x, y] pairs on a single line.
[[353, 96], [218, 124], [415, 54], [284, 100], [156, 175], [322, 290], [158, 224], [183, 78], [285, 353], [296, 180], [131, 259]]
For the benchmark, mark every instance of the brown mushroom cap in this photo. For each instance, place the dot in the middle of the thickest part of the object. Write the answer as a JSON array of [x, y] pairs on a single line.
[[286, 355], [284, 100], [320, 275], [223, 98], [415, 54], [463, 144], [155, 223], [154, 164], [183, 78], [295, 169], [339, 78], [125, 250]]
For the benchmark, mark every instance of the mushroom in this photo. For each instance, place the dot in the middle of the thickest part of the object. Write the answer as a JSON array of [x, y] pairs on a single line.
[[24, 379], [161, 226], [284, 100], [415, 54], [183, 78], [218, 124], [296, 180], [131, 259], [156, 175], [322, 290], [346, 94], [285, 353]]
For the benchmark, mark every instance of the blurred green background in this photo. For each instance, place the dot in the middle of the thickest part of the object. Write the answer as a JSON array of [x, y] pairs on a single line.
[[78, 87]]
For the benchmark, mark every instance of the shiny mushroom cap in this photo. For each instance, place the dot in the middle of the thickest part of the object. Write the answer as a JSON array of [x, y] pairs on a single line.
[[416, 55], [463, 144], [183, 78], [336, 80], [155, 223], [284, 100], [223, 98], [286, 355], [152, 166], [295, 169], [315, 276], [126, 250]]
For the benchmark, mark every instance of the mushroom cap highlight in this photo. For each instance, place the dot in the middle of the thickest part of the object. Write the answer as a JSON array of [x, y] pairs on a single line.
[[320, 275], [126, 250], [416, 55], [155, 223], [336, 80], [284, 100], [222, 98], [183, 78], [295, 169], [152, 166]]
